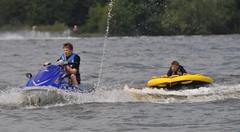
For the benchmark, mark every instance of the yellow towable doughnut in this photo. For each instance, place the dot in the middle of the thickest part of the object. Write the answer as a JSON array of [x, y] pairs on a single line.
[[165, 81]]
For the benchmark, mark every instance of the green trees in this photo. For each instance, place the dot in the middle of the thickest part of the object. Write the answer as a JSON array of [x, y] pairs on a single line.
[[97, 17], [129, 17], [48, 12], [44, 12], [134, 17], [173, 17], [198, 17], [12, 12]]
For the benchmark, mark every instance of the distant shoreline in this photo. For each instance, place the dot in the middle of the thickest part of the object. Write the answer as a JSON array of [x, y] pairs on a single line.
[[69, 33]]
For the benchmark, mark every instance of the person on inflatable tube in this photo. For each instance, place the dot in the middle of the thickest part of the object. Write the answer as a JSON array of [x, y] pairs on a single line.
[[176, 69]]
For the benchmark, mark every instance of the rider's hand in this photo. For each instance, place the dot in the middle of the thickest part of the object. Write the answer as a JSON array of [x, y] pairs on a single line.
[[61, 62], [46, 63]]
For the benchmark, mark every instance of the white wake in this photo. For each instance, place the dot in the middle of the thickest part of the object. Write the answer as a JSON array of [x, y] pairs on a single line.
[[18, 97]]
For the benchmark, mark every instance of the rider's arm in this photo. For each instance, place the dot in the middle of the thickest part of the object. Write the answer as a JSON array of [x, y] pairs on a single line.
[[75, 66], [71, 70], [183, 70], [169, 72]]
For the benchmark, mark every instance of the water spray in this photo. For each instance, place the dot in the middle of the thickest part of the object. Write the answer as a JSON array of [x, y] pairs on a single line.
[[105, 42]]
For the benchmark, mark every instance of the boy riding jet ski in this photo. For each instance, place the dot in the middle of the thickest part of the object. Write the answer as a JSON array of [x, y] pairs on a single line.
[[65, 75]]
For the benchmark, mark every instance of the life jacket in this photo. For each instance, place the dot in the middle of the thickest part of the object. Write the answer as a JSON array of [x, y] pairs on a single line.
[[70, 59], [180, 71]]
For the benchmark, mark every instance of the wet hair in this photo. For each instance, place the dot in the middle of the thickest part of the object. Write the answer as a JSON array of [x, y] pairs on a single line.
[[68, 45], [175, 63]]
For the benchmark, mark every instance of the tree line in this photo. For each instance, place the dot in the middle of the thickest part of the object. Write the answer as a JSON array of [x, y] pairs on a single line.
[[129, 17]]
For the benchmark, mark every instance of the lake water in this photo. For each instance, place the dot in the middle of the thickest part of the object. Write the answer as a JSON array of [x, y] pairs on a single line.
[[131, 61]]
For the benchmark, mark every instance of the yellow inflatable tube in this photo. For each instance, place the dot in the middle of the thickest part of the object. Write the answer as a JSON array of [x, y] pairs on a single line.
[[164, 80]]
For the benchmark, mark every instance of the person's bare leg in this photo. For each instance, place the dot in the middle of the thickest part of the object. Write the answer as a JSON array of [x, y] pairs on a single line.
[[74, 79]]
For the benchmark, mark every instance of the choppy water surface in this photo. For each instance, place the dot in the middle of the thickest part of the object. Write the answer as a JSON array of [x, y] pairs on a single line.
[[131, 61]]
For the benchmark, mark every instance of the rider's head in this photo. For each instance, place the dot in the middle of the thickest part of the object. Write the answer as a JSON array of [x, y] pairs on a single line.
[[174, 66], [68, 49]]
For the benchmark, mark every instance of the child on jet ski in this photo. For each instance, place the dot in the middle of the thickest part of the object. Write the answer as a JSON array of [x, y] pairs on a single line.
[[176, 69], [73, 69]]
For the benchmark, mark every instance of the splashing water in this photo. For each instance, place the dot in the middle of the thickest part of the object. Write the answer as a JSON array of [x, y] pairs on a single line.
[[202, 94], [34, 35], [11, 97], [47, 96], [17, 98], [105, 42]]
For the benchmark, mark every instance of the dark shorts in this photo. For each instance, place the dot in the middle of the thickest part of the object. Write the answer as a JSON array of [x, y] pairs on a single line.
[[79, 80]]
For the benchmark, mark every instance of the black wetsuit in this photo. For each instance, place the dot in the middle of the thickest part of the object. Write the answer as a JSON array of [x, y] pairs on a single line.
[[180, 71]]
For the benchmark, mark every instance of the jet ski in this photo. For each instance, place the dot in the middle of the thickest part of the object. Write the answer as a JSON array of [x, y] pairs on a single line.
[[49, 84], [54, 76]]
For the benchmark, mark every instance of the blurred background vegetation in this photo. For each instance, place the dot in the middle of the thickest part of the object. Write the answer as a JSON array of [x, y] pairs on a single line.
[[129, 17]]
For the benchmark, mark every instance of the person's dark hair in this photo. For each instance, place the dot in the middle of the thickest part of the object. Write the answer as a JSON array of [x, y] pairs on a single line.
[[175, 63], [68, 45]]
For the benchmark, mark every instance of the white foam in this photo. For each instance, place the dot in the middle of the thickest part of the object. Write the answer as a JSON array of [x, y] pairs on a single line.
[[203, 94], [10, 97], [14, 96], [34, 35], [17, 97], [11, 36]]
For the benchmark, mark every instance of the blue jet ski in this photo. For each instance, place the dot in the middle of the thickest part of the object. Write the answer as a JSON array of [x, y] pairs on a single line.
[[55, 77]]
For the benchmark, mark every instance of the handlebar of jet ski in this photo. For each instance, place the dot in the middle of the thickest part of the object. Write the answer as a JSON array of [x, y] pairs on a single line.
[[64, 63]]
